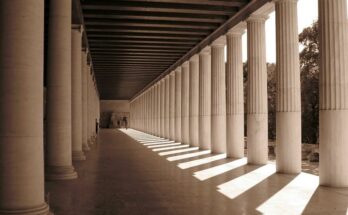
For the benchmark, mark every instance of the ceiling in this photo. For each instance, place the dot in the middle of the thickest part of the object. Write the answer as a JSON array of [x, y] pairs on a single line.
[[132, 42]]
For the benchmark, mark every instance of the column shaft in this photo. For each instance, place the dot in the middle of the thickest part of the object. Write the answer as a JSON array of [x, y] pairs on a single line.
[[76, 93], [288, 103], [257, 119], [167, 97], [218, 96], [59, 156], [178, 104], [205, 99], [235, 94], [84, 101], [333, 83], [185, 106], [21, 107], [194, 101], [162, 93], [172, 105]]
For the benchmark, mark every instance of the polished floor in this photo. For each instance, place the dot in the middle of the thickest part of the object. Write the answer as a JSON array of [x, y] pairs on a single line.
[[131, 173]]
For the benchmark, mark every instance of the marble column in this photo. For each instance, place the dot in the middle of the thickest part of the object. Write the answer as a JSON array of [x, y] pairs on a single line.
[[76, 93], [185, 105], [21, 107], [146, 112], [162, 93], [257, 111], [288, 104], [205, 99], [59, 156], [333, 88], [194, 101], [167, 98], [84, 74], [155, 107], [150, 111], [172, 105], [89, 107], [218, 96], [158, 105], [235, 92], [178, 104]]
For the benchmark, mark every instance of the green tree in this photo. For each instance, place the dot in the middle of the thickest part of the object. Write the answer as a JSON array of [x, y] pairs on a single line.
[[309, 62]]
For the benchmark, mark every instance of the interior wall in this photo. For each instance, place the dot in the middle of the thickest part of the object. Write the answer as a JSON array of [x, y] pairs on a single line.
[[114, 113]]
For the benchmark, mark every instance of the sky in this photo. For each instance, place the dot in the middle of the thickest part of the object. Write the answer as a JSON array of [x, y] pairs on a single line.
[[307, 14]]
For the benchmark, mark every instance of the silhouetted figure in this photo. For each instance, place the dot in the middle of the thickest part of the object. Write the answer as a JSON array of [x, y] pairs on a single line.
[[118, 124], [125, 122], [96, 126]]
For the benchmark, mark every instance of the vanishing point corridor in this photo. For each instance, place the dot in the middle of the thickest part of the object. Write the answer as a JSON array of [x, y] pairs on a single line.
[[124, 176]]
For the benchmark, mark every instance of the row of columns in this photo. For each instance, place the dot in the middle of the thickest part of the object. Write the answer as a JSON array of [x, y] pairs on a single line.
[[206, 98], [72, 102]]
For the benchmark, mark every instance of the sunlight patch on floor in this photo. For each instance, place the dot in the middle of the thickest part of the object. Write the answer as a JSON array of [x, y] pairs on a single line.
[[293, 198], [163, 145], [190, 155], [157, 143], [218, 170], [178, 151], [202, 161], [170, 148], [238, 186], [152, 141]]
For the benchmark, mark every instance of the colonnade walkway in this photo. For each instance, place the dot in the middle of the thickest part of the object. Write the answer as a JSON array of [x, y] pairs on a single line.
[[133, 173]]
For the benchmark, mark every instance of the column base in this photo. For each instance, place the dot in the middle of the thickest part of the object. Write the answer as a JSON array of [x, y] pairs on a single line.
[[257, 138], [333, 148], [60, 173], [78, 156], [85, 147], [90, 141], [39, 210]]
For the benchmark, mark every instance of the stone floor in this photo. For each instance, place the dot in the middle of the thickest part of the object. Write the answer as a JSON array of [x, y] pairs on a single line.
[[153, 176]]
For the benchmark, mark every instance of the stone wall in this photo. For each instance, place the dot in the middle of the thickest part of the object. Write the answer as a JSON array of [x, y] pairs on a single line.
[[113, 113]]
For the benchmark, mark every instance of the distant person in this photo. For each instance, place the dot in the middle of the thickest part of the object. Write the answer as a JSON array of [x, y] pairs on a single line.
[[118, 124], [96, 126], [125, 122]]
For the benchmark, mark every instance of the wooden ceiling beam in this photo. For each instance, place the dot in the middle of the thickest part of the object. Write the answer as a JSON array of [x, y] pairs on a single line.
[[141, 41], [211, 3], [156, 18], [147, 31], [158, 24], [149, 9]]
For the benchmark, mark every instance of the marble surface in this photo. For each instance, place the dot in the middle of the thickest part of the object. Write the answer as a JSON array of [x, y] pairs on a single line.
[[124, 176]]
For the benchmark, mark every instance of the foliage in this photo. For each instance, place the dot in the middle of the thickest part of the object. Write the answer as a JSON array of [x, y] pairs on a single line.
[[309, 59]]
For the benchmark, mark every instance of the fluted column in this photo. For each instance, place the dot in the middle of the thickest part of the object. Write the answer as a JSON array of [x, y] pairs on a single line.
[[76, 93], [172, 105], [288, 104], [185, 106], [194, 101], [151, 127], [163, 102], [205, 99], [257, 111], [158, 105], [59, 156], [89, 108], [167, 94], [218, 96], [21, 107], [235, 92], [156, 109], [333, 90], [84, 73], [178, 104]]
